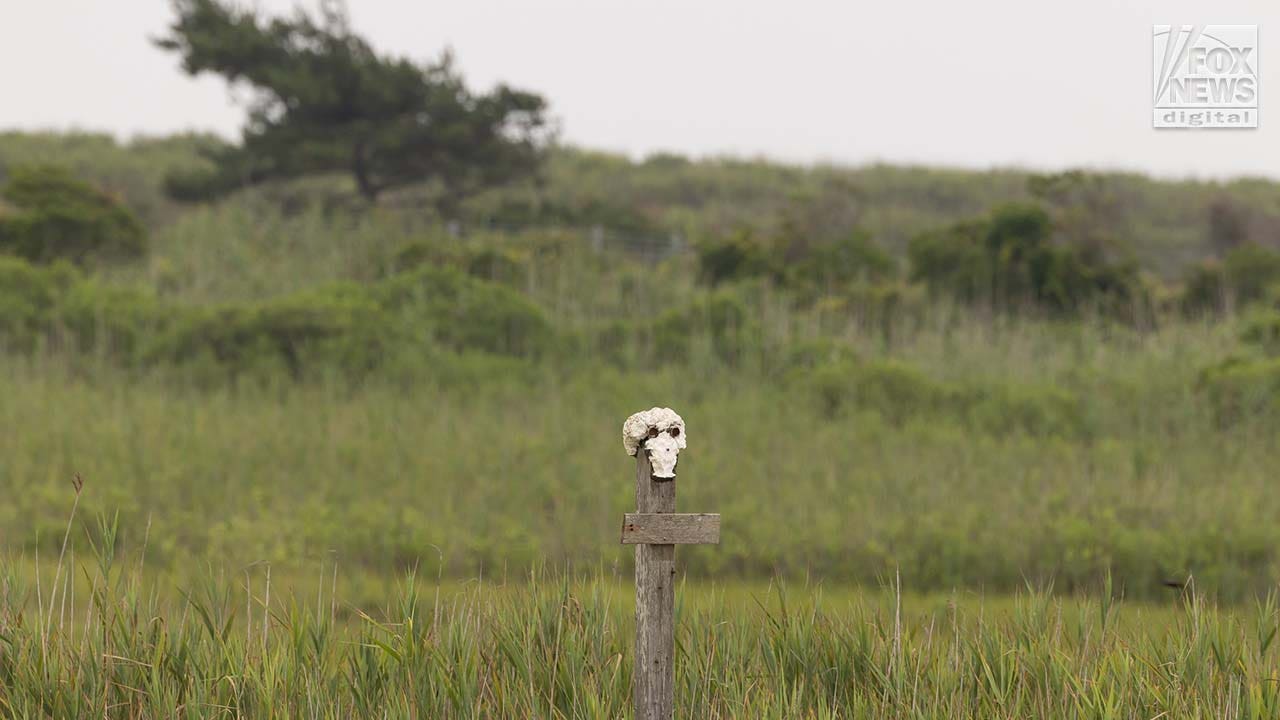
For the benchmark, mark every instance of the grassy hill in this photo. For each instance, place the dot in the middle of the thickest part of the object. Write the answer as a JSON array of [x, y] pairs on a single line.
[[289, 374], [1166, 223]]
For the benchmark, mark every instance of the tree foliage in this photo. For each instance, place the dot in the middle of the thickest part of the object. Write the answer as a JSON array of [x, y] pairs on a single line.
[[325, 101], [1228, 225], [1248, 274], [54, 216], [1008, 261], [1089, 211]]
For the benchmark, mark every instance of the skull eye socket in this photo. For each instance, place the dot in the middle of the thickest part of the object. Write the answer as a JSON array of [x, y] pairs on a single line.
[[653, 432], [674, 432]]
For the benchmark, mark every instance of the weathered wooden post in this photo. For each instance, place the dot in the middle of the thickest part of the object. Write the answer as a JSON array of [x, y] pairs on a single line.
[[656, 438]]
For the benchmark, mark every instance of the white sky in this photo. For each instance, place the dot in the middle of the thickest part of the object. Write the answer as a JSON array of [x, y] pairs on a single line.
[[977, 83]]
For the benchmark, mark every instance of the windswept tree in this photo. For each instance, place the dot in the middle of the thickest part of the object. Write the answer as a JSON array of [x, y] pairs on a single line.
[[324, 101]]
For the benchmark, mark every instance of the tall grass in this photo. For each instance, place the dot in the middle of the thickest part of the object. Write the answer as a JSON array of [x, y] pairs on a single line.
[[555, 647], [504, 466], [971, 451], [960, 452]]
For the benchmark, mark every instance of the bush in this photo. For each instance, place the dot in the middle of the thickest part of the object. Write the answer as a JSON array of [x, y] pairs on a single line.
[[1249, 274], [899, 392], [118, 322], [1038, 411], [954, 261], [1007, 261], [1204, 288], [500, 265], [56, 304], [1240, 388], [810, 267], [339, 327], [465, 313], [720, 318], [1263, 330], [892, 389], [57, 217], [887, 308], [423, 253], [198, 185], [735, 258], [805, 356], [343, 327], [1243, 387], [29, 296], [854, 258], [614, 342], [716, 326]]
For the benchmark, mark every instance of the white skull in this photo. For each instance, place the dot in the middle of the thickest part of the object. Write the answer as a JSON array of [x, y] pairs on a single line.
[[661, 432]]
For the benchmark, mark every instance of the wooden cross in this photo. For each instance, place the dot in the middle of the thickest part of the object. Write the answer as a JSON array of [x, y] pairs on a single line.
[[655, 529]]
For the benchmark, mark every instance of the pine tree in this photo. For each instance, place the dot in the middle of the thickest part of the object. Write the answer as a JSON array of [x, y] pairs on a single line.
[[324, 101]]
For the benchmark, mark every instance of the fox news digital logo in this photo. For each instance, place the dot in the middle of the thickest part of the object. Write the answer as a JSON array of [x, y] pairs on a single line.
[[1206, 76]]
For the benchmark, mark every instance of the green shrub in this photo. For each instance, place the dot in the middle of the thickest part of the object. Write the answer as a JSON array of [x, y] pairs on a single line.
[[735, 258], [615, 342], [1240, 388], [894, 390], [854, 258], [1249, 274], [54, 216], [57, 305], [1204, 288], [503, 265], [1263, 331], [425, 253], [809, 268], [1008, 261], [717, 325], [342, 327], [719, 318], [899, 392], [886, 308], [805, 356], [1032, 410], [339, 327], [29, 296], [199, 185], [465, 313], [953, 261], [608, 213], [1251, 271], [118, 322]]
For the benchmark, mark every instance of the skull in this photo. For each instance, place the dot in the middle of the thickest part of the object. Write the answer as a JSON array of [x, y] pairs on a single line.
[[660, 431]]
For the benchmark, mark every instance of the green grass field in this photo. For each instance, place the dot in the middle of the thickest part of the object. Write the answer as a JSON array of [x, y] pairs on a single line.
[[243, 646], [510, 470], [335, 399]]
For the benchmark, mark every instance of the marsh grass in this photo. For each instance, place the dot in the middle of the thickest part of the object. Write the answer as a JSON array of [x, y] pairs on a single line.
[[272, 522], [959, 476], [558, 645]]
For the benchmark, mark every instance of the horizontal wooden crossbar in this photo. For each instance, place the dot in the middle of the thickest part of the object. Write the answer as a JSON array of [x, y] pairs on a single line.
[[671, 529]]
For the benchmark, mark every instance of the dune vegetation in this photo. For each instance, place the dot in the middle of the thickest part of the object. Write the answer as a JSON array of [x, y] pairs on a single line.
[[1018, 397]]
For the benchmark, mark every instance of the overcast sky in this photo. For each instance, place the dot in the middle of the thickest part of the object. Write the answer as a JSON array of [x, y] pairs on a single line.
[[979, 83]]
